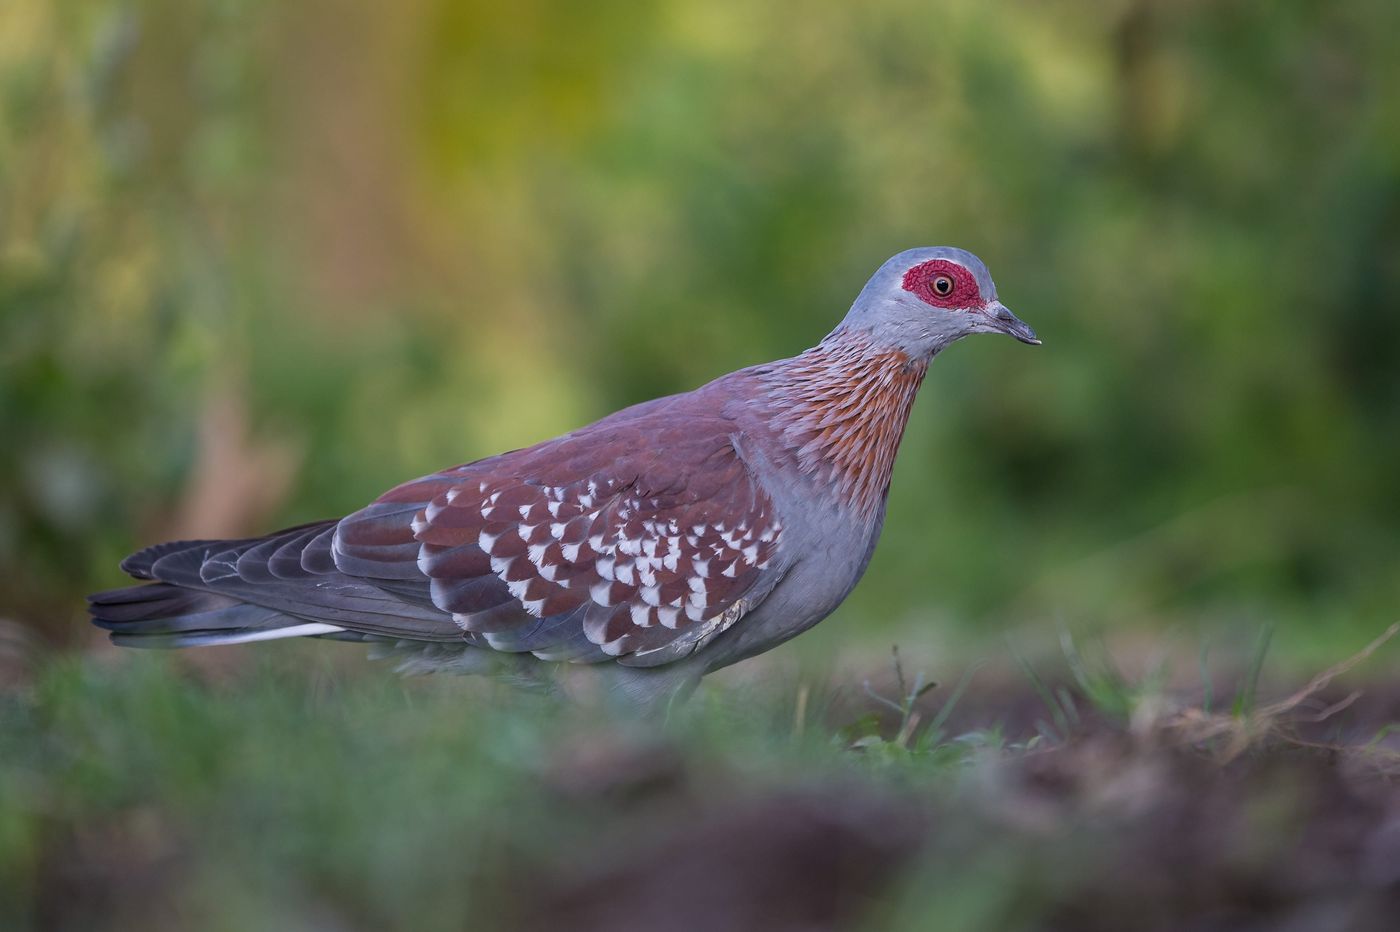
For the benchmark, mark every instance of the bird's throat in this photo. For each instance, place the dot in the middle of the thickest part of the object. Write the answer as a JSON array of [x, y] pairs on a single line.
[[840, 410]]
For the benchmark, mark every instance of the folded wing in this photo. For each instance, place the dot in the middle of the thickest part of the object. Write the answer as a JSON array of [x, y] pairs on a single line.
[[638, 541]]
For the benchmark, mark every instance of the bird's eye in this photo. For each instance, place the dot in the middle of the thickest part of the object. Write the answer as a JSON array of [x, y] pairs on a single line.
[[942, 285]]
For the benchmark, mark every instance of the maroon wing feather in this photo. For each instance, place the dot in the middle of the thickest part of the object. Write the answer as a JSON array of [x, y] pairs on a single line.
[[639, 539]]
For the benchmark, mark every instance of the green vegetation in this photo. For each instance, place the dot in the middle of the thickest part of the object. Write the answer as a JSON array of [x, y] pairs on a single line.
[[299, 792], [491, 223]]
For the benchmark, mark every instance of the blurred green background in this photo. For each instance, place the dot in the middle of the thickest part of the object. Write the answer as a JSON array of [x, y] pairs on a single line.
[[260, 261]]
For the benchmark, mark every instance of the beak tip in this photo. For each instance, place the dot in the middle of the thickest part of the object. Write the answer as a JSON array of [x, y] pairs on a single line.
[[1010, 324]]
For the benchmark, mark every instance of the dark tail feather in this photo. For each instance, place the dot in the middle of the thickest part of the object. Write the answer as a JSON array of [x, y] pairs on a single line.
[[139, 564], [162, 615], [286, 584]]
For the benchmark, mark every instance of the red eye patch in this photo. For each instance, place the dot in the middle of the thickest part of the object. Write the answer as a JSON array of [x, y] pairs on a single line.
[[919, 281]]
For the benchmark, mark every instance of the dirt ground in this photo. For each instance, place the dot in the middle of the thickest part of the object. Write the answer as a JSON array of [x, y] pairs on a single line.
[[1105, 830], [154, 799]]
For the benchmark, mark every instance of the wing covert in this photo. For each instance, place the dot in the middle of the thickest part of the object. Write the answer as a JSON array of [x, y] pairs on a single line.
[[639, 543]]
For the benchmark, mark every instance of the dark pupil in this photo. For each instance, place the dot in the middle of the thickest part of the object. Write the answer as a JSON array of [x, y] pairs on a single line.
[[943, 285]]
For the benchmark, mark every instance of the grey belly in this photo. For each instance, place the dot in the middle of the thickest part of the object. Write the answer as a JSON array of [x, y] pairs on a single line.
[[810, 591]]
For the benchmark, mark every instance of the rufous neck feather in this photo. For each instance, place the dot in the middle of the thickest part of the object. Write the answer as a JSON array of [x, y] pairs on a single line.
[[841, 408]]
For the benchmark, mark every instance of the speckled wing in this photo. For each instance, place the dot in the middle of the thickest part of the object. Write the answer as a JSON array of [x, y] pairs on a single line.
[[639, 541]]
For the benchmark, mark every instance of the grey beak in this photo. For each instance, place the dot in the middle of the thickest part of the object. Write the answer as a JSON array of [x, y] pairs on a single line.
[[1008, 323]]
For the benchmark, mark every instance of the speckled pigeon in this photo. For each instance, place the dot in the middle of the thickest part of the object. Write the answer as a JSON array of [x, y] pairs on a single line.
[[660, 543]]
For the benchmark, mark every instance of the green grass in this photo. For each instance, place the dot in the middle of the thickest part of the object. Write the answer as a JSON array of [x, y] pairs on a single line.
[[304, 789]]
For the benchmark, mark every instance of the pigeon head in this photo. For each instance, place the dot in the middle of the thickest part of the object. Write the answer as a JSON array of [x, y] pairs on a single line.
[[924, 299]]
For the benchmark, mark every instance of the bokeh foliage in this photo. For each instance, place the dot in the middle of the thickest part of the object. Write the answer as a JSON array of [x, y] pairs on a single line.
[[368, 240]]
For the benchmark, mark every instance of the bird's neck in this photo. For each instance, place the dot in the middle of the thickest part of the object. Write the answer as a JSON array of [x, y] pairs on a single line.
[[840, 409]]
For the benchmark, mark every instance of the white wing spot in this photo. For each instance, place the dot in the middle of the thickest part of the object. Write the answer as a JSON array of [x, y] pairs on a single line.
[[599, 592]]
